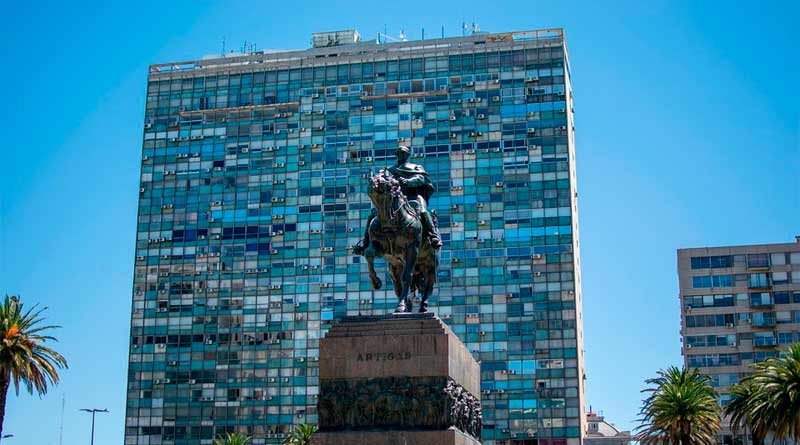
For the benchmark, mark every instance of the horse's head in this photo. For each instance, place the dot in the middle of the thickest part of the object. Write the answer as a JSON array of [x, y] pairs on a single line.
[[382, 184], [383, 190]]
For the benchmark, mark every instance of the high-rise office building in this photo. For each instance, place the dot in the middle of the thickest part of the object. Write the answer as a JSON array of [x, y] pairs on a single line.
[[253, 193], [739, 305]]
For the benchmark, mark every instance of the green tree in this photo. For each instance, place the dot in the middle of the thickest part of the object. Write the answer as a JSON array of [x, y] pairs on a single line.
[[681, 409], [301, 435], [232, 439], [778, 382], [749, 408], [23, 355]]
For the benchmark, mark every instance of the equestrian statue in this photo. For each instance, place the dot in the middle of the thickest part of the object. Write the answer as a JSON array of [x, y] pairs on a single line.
[[402, 231]]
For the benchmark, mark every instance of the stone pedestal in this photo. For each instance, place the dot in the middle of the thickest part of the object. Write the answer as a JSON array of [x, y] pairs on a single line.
[[401, 379]]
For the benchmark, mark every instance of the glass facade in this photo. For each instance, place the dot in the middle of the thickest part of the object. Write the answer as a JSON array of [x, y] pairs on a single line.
[[253, 192]]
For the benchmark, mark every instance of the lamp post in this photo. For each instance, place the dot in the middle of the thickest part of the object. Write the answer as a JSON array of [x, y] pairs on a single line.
[[94, 411]]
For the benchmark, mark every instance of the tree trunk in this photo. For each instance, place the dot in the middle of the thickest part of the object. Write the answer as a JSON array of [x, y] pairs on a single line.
[[4, 383]]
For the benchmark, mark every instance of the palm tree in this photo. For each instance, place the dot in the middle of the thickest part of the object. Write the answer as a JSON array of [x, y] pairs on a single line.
[[23, 354], [682, 409], [301, 435], [749, 408], [232, 439], [779, 380]]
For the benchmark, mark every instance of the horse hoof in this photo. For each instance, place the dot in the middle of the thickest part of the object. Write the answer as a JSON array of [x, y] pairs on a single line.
[[376, 283], [401, 308]]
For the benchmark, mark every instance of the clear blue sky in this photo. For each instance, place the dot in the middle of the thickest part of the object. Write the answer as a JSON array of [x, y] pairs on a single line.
[[687, 135]]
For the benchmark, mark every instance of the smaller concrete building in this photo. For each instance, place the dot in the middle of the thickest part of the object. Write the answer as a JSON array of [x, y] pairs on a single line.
[[601, 432]]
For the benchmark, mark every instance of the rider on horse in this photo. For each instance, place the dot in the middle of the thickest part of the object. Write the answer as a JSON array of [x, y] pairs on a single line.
[[416, 185]]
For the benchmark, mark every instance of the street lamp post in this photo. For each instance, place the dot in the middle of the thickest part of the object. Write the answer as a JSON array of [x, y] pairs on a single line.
[[94, 411]]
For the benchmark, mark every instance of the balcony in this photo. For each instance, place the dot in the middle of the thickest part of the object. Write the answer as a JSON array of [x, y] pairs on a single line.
[[769, 343], [764, 323], [759, 281]]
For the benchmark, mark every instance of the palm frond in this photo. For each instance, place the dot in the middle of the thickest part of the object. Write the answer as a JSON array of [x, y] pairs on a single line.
[[25, 358], [232, 439], [301, 435], [681, 407]]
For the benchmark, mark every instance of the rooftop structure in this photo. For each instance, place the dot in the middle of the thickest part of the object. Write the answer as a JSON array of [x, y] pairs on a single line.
[[601, 432]]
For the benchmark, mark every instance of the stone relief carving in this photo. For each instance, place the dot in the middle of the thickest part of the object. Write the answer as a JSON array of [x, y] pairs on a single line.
[[403, 403]]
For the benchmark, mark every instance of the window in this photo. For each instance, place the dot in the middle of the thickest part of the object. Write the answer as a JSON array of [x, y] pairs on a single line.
[[700, 262], [761, 356], [700, 321], [722, 280], [713, 360], [758, 280], [718, 380], [758, 260], [695, 301], [784, 338], [780, 278], [794, 257], [764, 339], [763, 319], [712, 281], [721, 261], [701, 282], [710, 340], [706, 262], [783, 317], [778, 259], [760, 299], [783, 297]]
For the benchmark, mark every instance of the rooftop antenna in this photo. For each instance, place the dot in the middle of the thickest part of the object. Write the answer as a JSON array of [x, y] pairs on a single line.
[[475, 27], [388, 38], [442, 31], [463, 29], [423, 33], [223, 46]]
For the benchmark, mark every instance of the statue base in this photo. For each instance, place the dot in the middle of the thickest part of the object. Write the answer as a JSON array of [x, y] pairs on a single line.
[[399, 379], [448, 437]]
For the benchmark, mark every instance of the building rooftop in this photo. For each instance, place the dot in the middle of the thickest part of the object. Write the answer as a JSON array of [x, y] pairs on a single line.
[[744, 246], [597, 426], [341, 44]]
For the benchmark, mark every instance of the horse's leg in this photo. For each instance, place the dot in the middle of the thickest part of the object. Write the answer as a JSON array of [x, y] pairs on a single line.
[[427, 291], [396, 271], [408, 270], [376, 282]]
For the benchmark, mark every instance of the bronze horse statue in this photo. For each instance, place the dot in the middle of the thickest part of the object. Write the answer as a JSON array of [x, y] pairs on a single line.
[[397, 235]]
